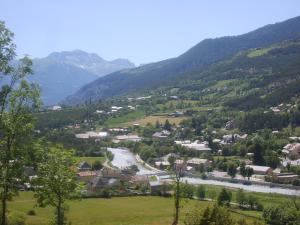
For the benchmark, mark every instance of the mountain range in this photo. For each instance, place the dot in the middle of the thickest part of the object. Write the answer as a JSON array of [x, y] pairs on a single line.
[[198, 63], [60, 74]]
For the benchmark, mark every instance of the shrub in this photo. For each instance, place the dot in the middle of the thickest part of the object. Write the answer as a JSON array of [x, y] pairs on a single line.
[[16, 219], [31, 212]]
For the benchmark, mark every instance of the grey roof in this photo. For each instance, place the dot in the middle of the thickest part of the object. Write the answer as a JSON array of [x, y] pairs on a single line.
[[84, 165]]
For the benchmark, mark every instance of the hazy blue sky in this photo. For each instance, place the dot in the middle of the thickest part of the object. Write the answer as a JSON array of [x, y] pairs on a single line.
[[140, 30]]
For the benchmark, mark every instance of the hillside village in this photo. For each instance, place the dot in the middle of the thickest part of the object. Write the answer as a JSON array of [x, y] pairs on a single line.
[[200, 156]]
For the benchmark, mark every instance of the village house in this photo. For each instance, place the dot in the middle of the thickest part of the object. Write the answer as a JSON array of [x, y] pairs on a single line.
[[261, 170], [121, 138], [92, 135], [196, 162], [86, 176], [180, 164], [284, 178], [161, 135], [139, 180], [119, 130], [198, 146], [56, 108], [230, 125], [158, 187], [84, 166], [232, 138], [96, 184], [116, 174], [292, 150], [162, 165], [176, 114]]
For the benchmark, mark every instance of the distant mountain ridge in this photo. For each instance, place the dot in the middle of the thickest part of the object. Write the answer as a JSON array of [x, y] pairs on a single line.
[[90, 62], [60, 74], [194, 62]]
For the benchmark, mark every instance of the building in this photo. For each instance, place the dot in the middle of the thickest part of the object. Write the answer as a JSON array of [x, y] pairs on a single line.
[[92, 135], [261, 170], [84, 166], [161, 135], [134, 138], [293, 150], [162, 165], [140, 180], [86, 176], [56, 108], [232, 138], [158, 187], [284, 178], [97, 184], [196, 162], [201, 147]]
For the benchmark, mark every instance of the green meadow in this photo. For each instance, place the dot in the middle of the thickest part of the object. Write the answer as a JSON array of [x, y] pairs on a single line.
[[115, 211]]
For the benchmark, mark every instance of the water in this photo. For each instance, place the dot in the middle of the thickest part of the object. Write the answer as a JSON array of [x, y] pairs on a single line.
[[124, 158]]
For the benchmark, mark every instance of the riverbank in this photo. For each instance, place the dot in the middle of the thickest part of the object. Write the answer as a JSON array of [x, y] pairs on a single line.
[[124, 158]]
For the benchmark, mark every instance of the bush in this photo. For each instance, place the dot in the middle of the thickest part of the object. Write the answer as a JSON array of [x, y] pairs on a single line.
[[31, 212], [296, 183], [224, 197], [200, 192], [16, 219]]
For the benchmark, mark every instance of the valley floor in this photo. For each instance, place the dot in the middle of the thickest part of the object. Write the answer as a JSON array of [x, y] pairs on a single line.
[[115, 211]]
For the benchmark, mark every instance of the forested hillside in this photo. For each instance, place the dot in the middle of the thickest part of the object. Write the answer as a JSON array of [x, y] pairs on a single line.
[[195, 61]]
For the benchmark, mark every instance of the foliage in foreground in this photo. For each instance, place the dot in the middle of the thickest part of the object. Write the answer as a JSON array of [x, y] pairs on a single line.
[[215, 215]]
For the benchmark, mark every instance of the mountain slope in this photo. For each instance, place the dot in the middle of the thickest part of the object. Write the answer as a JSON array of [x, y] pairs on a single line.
[[62, 74], [194, 61]]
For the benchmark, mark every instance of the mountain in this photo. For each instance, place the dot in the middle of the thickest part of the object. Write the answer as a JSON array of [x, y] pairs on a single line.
[[194, 61], [90, 62], [62, 73]]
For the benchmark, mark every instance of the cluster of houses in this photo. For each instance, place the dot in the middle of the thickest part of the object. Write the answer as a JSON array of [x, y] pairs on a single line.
[[115, 109], [189, 165], [117, 179], [282, 108]]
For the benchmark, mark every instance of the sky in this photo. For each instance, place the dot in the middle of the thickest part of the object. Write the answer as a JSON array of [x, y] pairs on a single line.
[[142, 31]]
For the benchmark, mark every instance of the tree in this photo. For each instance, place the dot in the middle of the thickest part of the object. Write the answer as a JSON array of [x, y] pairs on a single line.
[[249, 172], [258, 158], [171, 160], [167, 125], [284, 214], [200, 192], [56, 181], [187, 190], [232, 170], [178, 173], [241, 198], [97, 165], [215, 215], [18, 99], [243, 169], [224, 197], [157, 124]]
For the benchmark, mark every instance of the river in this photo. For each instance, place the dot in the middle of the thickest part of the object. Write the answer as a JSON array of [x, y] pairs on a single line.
[[124, 158]]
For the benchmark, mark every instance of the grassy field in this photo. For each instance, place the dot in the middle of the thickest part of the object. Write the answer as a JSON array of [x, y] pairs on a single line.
[[152, 120], [119, 121], [269, 199], [90, 160], [114, 211]]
